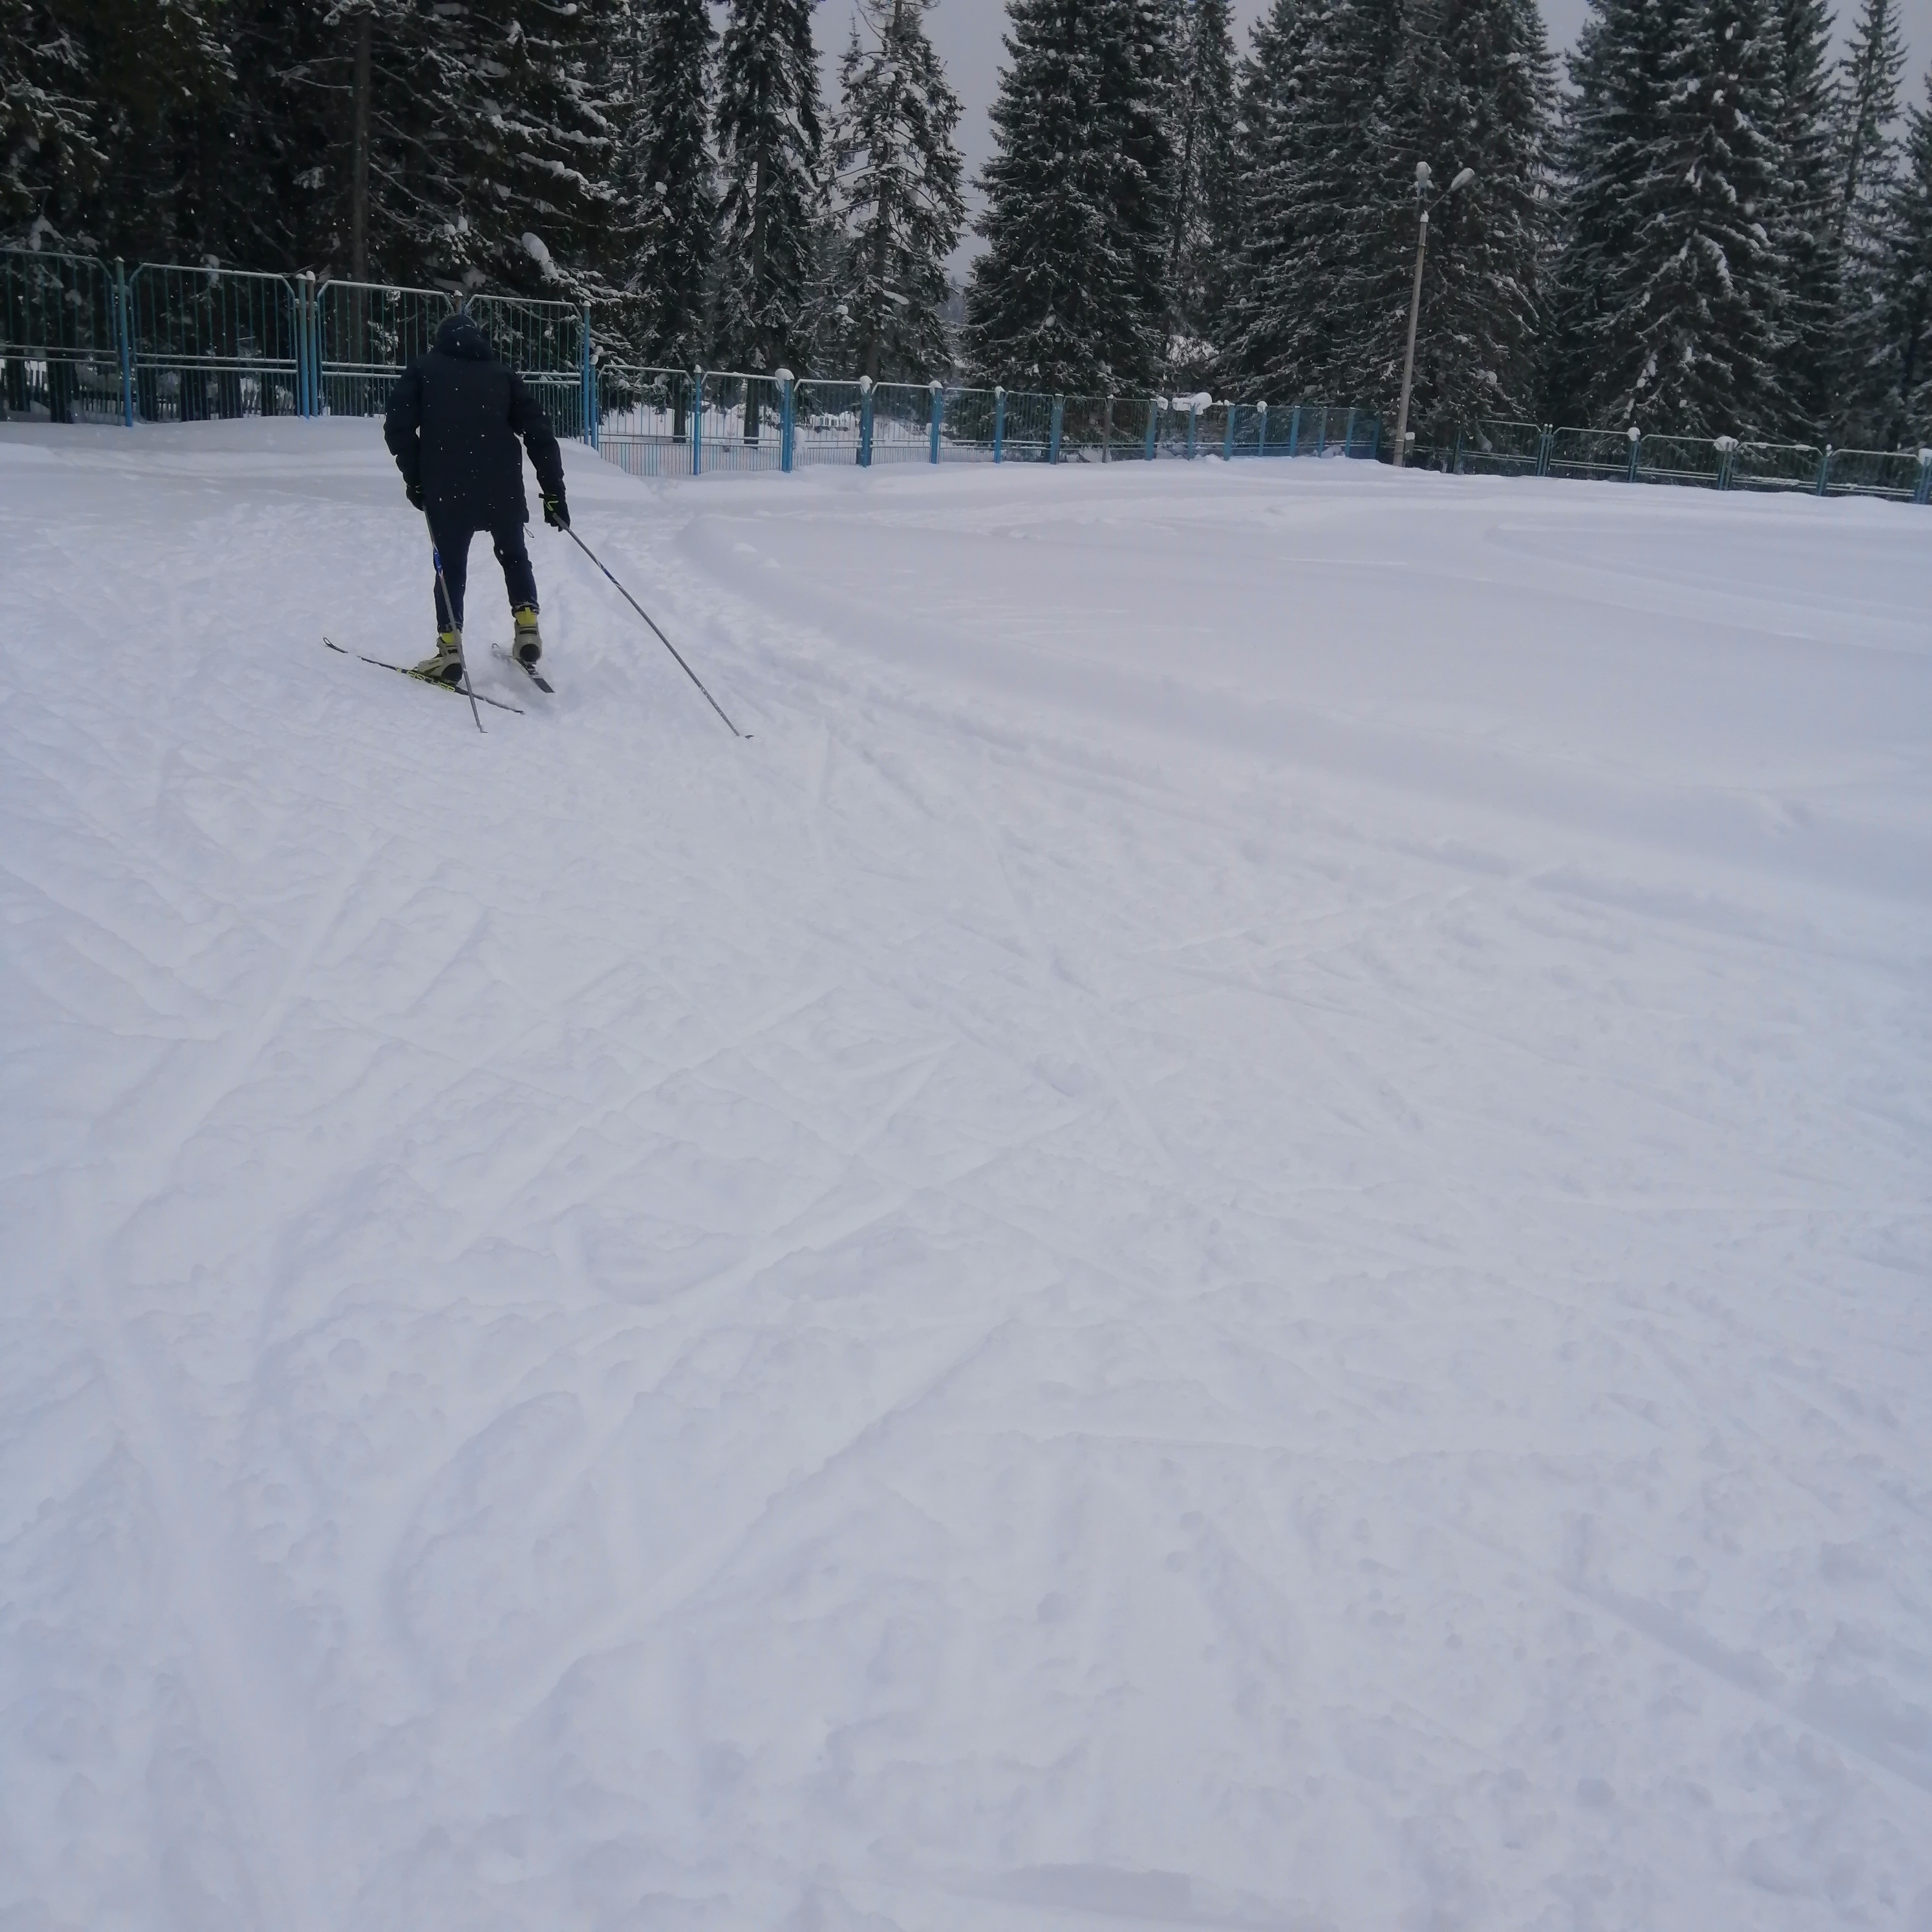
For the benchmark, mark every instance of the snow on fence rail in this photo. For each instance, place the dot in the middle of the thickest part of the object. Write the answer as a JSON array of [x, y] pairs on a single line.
[[80, 341], [1712, 462]]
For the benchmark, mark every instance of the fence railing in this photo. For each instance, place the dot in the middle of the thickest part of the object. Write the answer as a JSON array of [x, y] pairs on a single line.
[[169, 343], [1714, 463], [83, 341]]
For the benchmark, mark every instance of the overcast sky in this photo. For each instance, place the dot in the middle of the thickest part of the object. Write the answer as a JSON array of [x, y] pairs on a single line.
[[967, 34]]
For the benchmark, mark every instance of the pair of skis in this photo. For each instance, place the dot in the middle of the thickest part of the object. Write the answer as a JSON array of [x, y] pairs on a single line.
[[530, 671], [466, 689]]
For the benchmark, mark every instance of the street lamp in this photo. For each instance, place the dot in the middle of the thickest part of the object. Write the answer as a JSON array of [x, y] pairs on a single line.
[[1463, 180]]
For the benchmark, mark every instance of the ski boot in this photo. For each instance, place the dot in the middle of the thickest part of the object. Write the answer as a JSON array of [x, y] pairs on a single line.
[[446, 666], [527, 646]]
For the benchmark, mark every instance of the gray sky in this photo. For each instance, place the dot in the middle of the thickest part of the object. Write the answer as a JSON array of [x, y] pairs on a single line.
[[967, 33]]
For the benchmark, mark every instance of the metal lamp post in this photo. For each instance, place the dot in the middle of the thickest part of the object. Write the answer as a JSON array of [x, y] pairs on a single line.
[[1463, 180]]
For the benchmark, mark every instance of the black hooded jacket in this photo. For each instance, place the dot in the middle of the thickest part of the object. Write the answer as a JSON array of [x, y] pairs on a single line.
[[453, 422]]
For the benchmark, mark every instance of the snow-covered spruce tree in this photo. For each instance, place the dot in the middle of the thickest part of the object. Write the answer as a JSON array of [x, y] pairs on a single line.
[[770, 147], [897, 194], [525, 96], [281, 197], [1868, 114], [1266, 290], [123, 94], [1896, 395], [1312, 102], [1473, 85], [1691, 339], [1068, 296], [49, 156], [1868, 163], [1614, 137], [1136, 98], [669, 183], [1802, 224], [1203, 229]]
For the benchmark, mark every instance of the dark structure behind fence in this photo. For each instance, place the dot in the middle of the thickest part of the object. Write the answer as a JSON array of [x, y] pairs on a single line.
[[83, 341]]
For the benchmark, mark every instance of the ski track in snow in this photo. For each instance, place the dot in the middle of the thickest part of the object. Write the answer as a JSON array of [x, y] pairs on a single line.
[[1238, 1234]]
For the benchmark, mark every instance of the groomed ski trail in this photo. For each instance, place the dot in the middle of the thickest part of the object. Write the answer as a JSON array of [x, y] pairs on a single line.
[[1234, 1234]]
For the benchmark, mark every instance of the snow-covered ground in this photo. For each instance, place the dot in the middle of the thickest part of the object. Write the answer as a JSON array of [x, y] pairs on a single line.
[[1238, 1233]]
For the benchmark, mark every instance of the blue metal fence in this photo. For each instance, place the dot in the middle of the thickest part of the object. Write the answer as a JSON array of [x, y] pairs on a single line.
[[80, 341], [362, 336], [62, 338]]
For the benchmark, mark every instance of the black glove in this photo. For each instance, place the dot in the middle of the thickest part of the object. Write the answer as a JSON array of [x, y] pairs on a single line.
[[413, 490], [557, 512]]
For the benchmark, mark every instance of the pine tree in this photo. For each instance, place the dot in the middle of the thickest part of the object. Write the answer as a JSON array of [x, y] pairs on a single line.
[[276, 133], [1897, 399], [1314, 101], [1257, 351], [1473, 87], [1203, 231], [1868, 110], [668, 178], [1136, 131], [49, 154], [1068, 296], [1803, 230], [1866, 182], [106, 108], [535, 146], [1693, 340], [1614, 137], [771, 149], [899, 205]]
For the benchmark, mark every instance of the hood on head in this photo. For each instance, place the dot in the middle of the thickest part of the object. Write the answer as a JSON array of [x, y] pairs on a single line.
[[459, 336]]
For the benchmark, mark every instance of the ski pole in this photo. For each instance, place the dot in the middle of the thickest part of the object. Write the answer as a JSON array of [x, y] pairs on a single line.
[[655, 632], [449, 611]]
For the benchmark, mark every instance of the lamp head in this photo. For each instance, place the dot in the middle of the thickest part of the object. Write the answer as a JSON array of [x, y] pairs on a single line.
[[1422, 174], [1463, 180]]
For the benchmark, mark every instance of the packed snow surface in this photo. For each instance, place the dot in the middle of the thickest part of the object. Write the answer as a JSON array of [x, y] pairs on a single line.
[[1235, 1233]]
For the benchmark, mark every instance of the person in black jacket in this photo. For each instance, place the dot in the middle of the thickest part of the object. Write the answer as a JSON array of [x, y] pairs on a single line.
[[452, 425]]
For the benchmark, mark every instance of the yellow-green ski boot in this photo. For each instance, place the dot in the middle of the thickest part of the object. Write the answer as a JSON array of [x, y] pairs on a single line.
[[527, 646], [446, 666]]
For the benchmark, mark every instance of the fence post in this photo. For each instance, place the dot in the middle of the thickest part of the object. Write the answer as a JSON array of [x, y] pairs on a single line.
[[999, 424], [1193, 423], [785, 419], [298, 312], [589, 385], [938, 413], [865, 422], [1154, 426], [697, 422], [123, 330], [1053, 434], [1924, 492], [1456, 468], [1636, 442], [1545, 443], [305, 385], [1228, 440], [1294, 430], [1824, 470], [1260, 429], [1107, 431]]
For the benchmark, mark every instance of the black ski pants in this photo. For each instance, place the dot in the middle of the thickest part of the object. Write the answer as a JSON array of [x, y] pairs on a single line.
[[452, 546]]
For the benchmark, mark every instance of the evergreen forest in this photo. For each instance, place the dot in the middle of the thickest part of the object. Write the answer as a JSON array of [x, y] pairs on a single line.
[[1712, 217]]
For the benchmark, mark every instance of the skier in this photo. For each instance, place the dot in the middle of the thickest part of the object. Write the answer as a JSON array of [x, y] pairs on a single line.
[[452, 425]]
